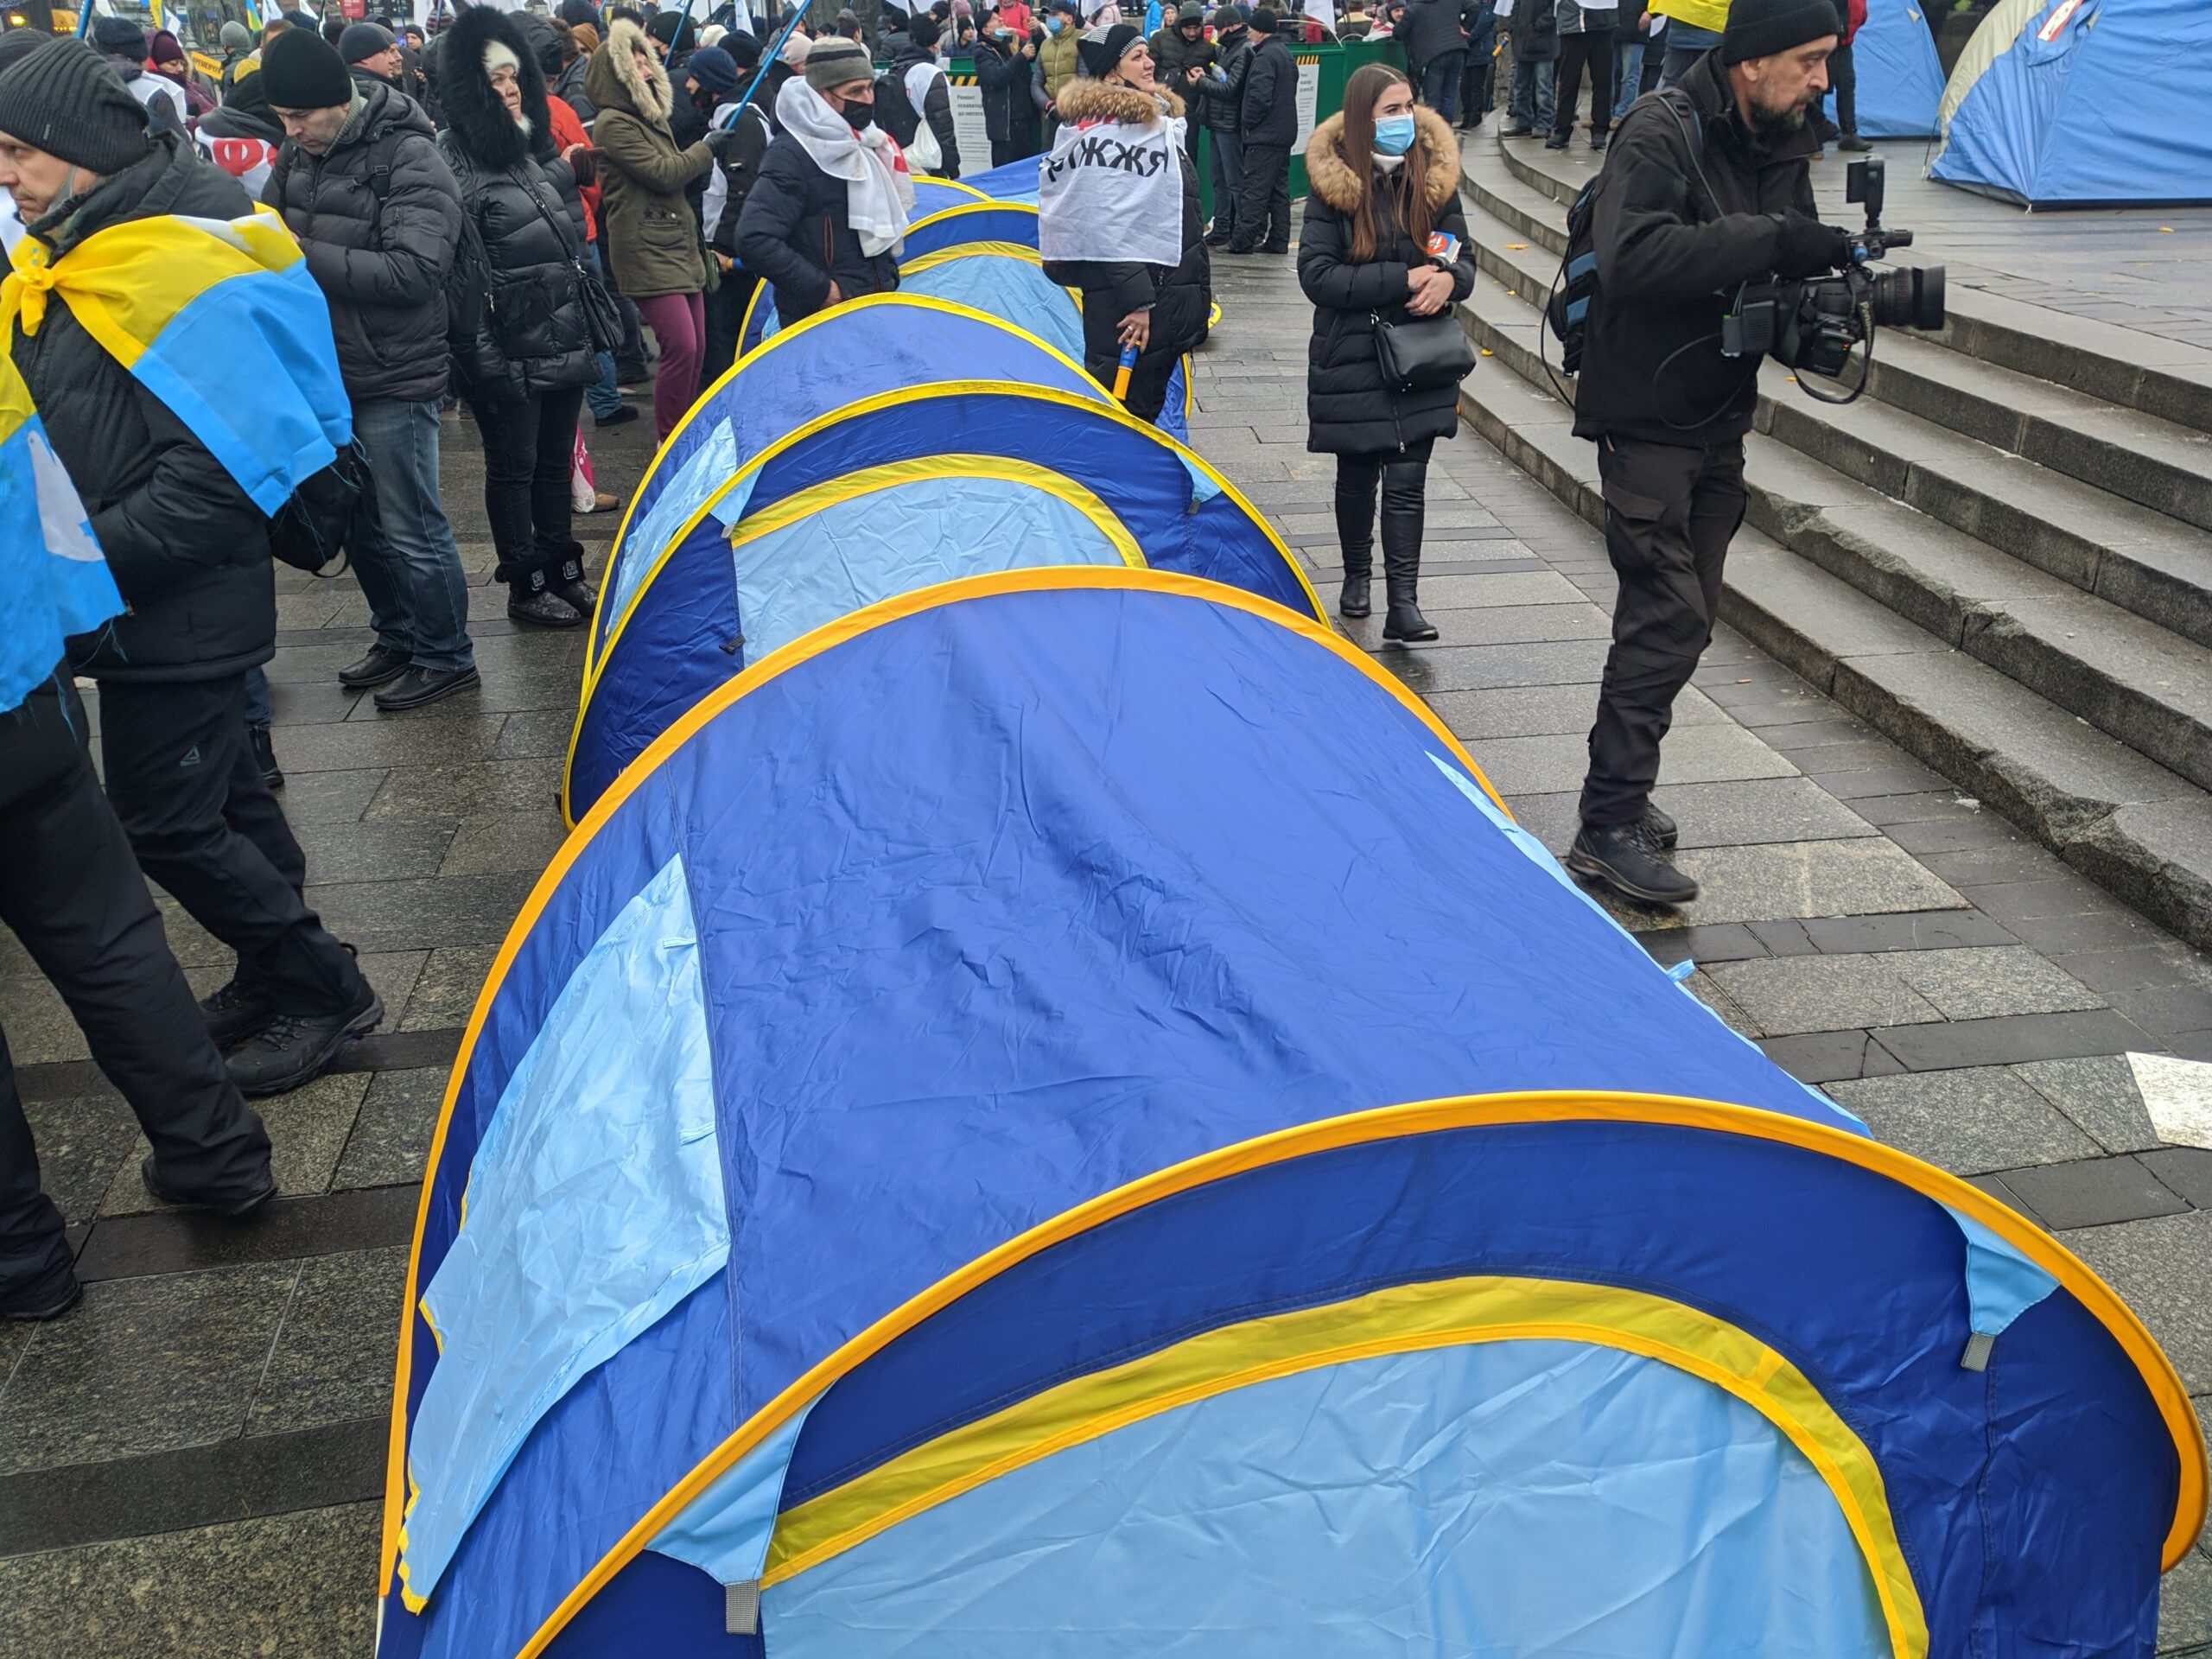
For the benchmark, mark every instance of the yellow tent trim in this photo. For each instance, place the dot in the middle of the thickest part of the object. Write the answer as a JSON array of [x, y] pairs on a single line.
[[1405, 1319]]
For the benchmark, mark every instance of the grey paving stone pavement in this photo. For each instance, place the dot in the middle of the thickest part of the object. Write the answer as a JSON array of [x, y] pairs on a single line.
[[1972, 1011]]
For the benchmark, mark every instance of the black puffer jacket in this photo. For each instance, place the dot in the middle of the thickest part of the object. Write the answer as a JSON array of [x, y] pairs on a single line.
[[1270, 110], [1220, 99], [188, 548], [533, 334], [1678, 222], [1181, 297], [1006, 74], [796, 214], [1349, 408], [896, 114], [381, 261]]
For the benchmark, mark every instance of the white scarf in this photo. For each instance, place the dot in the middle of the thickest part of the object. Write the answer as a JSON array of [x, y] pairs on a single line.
[[879, 193]]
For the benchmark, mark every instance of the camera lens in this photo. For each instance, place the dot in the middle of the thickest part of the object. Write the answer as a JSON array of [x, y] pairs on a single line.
[[1910, 298]]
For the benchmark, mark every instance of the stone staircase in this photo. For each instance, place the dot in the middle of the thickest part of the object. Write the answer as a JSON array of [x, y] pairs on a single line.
[[2000, 557]]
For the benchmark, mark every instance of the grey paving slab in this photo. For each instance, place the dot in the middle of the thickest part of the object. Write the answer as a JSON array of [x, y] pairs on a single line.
[[2185, 1171], [1790, 995], [144, 1365], [1516, 625], [1470, 668], [280, 1585], [308, 1130], [332, 1361], [388, 915], [1547, 711], [1815, 878], [81, 1142], [1982, 984], [2185, 1606], [2098, 1092], [390, 1139], [440, 738], [374, 851], [2094, 1192], [2157, 1266], [457, 792], [446, 995], [1969, 1121], [1708, 990], [493, 843]]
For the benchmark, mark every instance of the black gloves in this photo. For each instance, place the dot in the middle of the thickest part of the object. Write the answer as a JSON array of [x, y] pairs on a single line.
[[1805, 247], [723, 140]]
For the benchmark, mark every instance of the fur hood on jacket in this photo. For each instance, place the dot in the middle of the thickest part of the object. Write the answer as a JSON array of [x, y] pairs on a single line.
[[1085, 100], [481, 129], [614, 82], [1330, 178]]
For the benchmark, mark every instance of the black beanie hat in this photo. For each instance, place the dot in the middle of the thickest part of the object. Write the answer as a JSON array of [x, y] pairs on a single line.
[[64, 100], [20, 43], [299, 70], [743, 49], [362, 41], [1759, 28], [1264, 21], [1099, 53], [120, 38]]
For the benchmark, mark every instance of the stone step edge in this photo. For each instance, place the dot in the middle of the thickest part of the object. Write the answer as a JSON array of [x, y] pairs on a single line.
[[2012, 335], [2130, 846]]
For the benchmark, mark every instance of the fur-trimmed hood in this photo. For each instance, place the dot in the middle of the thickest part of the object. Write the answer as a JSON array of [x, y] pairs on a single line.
[[612, 82], [480, 127], [1085, 100], [1330, 179]]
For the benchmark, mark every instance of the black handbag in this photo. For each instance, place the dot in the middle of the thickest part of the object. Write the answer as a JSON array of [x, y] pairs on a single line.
[[1423, 354]]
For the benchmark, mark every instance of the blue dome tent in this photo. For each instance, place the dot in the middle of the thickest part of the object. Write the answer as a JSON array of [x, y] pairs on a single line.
[[972, 221], [2030, 114], [967, 1153], [889, 493], [1002, 279], [1900, 78], [935, 196], [1016, 181]]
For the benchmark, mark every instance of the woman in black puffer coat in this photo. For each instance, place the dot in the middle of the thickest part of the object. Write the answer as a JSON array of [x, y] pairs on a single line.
[[524, 357], [1383, 175]]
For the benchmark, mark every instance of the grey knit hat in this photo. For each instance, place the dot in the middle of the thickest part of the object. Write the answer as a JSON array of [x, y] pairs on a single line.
[[64, 100], [364, 41], [833, 61], [235, 36]]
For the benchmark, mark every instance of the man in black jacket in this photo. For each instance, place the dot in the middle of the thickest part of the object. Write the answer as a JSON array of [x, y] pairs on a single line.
[[1181, 46], [1219, 94], [189, 551], [1705, 190], [901, 115], [360, 183], [1006, 69], [1267, 127], [1434, 35]]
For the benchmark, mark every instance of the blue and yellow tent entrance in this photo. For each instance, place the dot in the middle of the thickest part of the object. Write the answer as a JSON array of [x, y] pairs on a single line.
[[691, 618], [1007, 986]]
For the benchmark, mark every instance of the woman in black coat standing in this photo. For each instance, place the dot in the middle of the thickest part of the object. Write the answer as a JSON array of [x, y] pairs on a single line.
[[523, 356], [1383, 176]]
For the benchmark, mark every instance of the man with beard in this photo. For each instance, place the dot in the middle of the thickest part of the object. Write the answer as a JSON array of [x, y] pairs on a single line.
[[1704, 189]]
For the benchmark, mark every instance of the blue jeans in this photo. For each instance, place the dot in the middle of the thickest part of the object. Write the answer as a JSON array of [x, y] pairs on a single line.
[[258, 715], [1439, 83], [1228, 169], [409, 567], [1532, 95], [602, 394], [1628, 70]]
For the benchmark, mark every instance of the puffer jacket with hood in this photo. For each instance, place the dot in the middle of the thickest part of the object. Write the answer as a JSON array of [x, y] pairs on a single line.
[[796, 233], [381, 261], [650, 234], [1348, 408], [1220, 96], [1180, 296], [188, 548], [532, 335]]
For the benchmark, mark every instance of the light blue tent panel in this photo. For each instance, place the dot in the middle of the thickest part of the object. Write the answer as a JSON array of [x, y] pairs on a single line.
[[999, 284]]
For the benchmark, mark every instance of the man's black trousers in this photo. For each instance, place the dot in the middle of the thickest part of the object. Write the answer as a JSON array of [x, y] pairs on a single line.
[[185, 783], [70, 892], [1263, 200], [1670, 513]]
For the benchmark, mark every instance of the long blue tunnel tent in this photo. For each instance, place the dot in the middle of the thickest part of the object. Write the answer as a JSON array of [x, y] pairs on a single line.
[[883, 343], [1016, 181], [969, 1153], [914, 477], [1012, 223]]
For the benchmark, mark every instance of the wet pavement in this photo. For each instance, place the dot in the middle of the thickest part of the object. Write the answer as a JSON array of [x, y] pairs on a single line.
[[191, 1463]]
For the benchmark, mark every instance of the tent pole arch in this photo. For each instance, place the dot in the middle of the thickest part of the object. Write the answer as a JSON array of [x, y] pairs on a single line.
[[1420, 1117], [919, 263], [949, 308], [812, 645]]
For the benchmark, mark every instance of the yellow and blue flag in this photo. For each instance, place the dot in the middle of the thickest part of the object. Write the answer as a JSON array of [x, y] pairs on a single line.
[[217, 318], [54, 581]]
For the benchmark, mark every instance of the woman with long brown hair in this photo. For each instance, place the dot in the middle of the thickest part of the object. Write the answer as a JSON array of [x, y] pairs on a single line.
[[1383, 179]]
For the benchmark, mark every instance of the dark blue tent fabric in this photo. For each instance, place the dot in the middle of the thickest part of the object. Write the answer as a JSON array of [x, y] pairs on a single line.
[[973, 221], [2091, 101], [1016, 181], [1900, 78]]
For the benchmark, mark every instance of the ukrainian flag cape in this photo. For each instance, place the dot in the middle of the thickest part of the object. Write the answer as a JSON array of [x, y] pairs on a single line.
[[217, 318], [53, 581]]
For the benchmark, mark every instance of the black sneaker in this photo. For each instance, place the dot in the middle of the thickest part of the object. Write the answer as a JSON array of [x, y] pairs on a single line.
[[238, 1207], [43, 1305], [1664, 830], [297, 1048], [264, 756], [1516, 131], [235, 1014], [380, 667], [418, 687], [1557, 140], [1625, 857]]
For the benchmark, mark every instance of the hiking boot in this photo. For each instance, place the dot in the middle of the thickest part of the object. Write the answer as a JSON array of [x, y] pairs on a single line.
[[380, 667], [1625, 857], [1852, 140], [234, 1014], [264, 756], [238, 1207], [545, 611], [1664, 830], [297, 1048], [419, 686], [43, 1305]]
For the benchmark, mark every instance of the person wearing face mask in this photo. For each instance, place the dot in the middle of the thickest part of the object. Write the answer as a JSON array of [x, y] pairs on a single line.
[[1058, 58], [827, 215], [1014, 99], [1383, 175]]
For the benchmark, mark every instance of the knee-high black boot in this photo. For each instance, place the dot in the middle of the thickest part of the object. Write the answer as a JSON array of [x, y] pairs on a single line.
[[1355, 483], [1405, 489]]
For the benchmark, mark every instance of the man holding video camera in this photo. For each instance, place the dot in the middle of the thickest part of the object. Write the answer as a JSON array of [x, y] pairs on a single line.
[[1706, 188]]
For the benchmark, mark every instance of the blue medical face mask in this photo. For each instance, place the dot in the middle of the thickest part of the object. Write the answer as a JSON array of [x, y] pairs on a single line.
[[1394, 134], [1055, 23]]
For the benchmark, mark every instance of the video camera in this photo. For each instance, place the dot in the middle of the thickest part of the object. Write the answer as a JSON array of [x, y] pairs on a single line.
[[1811, 326]]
